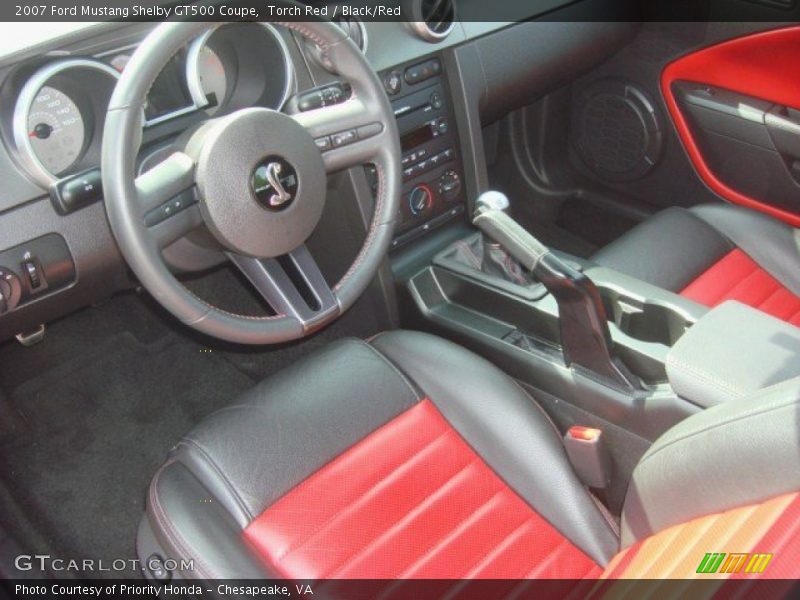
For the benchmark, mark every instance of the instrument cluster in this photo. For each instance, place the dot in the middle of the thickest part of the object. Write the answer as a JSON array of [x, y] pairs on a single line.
[[60, 107]]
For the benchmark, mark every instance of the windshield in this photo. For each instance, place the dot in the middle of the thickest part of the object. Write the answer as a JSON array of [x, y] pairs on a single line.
[[15, 37]]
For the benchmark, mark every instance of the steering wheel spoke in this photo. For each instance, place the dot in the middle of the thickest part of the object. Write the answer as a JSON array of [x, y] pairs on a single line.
[[292, 285], [348, 134], [164, 181], [180, 216], [167, 199]]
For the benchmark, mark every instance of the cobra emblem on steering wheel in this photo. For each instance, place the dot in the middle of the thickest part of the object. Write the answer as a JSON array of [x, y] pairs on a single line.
[[274, 183]]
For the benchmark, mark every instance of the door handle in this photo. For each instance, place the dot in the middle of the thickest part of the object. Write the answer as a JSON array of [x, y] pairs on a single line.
[[784, 129]]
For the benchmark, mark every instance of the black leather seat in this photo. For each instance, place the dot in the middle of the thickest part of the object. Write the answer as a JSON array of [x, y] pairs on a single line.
[[409, 457], [713, 253]]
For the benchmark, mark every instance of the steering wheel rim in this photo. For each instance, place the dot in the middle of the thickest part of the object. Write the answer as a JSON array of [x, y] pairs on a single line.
[[129, 199]]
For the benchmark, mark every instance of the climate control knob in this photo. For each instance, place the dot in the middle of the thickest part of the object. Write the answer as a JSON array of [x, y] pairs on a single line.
[[420, 199], [449, 184], [10, 290]]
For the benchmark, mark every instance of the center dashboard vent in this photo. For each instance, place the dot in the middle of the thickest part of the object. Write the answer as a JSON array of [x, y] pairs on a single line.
[[432, 20]]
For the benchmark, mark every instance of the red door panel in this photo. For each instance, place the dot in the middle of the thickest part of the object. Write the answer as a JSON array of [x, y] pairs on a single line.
[[764, 66]]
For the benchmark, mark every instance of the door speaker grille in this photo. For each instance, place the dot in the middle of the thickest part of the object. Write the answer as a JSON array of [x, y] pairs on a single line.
[[616, 130]]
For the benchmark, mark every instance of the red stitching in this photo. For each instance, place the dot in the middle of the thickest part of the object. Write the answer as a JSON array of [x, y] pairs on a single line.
[[362, 255]]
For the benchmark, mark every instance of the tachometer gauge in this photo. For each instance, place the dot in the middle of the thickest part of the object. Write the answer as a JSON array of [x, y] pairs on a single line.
[[236, 65], [56, 129], [213, 80]]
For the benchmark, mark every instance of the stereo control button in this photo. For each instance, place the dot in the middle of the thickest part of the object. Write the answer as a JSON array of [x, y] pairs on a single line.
[[393, 82], [369, 130], [344, 137], [324, 143], [422, 71]]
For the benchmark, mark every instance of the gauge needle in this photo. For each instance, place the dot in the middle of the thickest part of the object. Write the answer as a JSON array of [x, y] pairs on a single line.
[[41, 131]]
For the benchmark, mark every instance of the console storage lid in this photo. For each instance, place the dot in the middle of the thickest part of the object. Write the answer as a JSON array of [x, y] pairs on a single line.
[[732, 351]]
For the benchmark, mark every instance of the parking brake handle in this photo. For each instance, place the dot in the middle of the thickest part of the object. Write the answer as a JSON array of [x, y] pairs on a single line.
[[585, 337]]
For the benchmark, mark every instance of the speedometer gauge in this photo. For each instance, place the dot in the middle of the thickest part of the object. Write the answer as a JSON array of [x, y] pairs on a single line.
[[59, 115], [56, 129]]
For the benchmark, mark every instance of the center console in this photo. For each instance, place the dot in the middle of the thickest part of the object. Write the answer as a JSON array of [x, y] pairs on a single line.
[[733, 352], [433, 189], [592, 340], [519, 329]]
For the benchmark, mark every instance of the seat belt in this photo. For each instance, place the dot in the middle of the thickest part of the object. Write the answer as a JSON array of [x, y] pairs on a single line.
[[589, 456]]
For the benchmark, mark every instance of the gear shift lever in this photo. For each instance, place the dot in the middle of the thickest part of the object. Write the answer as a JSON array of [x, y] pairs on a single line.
[[585, 337], [496, 261]]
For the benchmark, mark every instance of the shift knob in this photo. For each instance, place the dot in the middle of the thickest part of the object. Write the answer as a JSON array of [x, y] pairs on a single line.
[[493, 200], [492, 220]]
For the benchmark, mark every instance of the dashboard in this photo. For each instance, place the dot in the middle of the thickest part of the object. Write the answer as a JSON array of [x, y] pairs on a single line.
[[58, 117], [57, 253]]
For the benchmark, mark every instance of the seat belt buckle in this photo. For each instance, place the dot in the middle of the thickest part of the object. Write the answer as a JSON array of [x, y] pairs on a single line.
[[589, 456]]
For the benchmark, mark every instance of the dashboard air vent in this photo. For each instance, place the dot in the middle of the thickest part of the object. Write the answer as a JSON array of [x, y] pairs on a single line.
[[433, 20]]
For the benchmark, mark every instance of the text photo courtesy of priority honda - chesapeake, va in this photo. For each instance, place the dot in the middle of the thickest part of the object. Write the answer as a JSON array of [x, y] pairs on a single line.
[[401, 300]]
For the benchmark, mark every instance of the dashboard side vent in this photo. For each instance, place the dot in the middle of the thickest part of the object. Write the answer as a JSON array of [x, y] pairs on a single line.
[[433, 20]]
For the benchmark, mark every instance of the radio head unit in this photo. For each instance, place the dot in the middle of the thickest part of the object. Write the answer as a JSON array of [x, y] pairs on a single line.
[[432, 172], [417, 137]]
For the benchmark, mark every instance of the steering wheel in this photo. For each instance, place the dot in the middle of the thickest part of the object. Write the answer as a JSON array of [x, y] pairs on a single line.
[[259, 181]]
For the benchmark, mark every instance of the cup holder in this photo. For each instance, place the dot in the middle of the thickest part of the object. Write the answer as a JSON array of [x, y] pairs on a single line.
[[643, 320]]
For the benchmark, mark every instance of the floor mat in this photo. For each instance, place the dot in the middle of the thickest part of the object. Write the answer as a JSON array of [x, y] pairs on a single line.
[[95, 431], [91, 413]]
